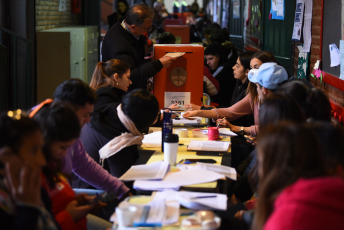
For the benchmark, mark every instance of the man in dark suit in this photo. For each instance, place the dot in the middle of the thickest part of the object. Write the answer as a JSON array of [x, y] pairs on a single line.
[[126, 41]]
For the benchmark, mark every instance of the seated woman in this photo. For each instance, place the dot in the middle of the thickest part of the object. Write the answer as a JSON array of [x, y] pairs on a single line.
[[294, 191], [248, 105], [21, 161], [61, 127], [122, 126], [110, 81]]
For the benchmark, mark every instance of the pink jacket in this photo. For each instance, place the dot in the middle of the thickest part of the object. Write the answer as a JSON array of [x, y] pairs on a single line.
[[239, 109], [309, 204]]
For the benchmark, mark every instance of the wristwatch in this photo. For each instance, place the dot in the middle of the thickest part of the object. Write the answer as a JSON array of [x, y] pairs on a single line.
[[242, 132]]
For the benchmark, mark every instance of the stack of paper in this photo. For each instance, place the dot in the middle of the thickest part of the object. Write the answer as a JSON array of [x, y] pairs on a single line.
[[221, 146], [195, 200], [160, 211], [194, 175], [225, 170], [151, 140], [153, 171]]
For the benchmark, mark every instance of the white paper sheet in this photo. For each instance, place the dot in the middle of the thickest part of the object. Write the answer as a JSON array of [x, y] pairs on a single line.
[[192, 176], [341, 47], [221, 146], [224, 170], [307, 30], [227, 131], [187, 199], [298, 20], [175, 54], [153, 171], [152, 140], [154, 185], [334, 55]]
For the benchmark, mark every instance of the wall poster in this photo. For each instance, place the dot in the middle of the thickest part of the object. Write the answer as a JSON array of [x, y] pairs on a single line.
[[277, 9]]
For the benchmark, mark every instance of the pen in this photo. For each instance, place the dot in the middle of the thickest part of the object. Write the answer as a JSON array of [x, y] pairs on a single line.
[[220, 122], [152, 225], [201, 197]]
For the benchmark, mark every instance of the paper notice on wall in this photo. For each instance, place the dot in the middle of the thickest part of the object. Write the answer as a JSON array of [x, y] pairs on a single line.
[[342, 19], [181, 98], [334, 55], [277, 9], [62, 5], [341, 48], [307, 30], [298, 20]]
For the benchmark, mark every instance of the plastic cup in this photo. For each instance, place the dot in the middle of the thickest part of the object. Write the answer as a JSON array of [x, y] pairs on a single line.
[[213, 133], [125, 216]]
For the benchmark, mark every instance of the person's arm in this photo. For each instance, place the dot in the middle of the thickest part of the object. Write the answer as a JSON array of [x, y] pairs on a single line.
[[239, 109], [201, 113], [94, 174]]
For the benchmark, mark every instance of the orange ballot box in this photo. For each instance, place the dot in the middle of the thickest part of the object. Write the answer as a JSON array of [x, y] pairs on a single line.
[[182, 82], [180, 32]]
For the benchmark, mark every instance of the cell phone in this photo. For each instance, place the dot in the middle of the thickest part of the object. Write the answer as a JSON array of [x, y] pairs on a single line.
[[212, 161], [210, 153], [105, 197]]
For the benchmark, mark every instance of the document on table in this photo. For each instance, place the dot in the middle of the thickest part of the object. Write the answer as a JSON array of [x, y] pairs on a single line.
[[192, 176], [225, 170], [161, 210], [195, 200], [153, 171], [173, 180], [196, 120], [151, 140], [221, 146]]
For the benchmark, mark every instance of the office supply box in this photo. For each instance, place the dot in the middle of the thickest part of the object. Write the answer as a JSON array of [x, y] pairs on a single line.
[[182, 81]]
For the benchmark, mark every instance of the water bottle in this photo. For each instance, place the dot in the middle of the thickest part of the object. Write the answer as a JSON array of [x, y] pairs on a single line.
[[166, 126]]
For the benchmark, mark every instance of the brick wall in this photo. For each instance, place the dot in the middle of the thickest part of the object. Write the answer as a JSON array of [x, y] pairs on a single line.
[[334, 94], [48, 15]]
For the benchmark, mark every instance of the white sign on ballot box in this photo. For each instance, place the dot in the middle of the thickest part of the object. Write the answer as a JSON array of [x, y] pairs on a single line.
[[181, 98]]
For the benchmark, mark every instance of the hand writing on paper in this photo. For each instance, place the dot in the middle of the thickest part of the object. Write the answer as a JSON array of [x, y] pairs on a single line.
[[223, 123]]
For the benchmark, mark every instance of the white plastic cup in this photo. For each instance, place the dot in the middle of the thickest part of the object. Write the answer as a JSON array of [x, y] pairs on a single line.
[[171, 148], [125, 216]]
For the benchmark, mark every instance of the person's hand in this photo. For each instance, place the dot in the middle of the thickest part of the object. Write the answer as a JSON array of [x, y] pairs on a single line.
[[174, 106], [239, 214], [166, 60], [84, 199], [24, 181], [189, 114], [223, 123], [76, 211], [189, 107]]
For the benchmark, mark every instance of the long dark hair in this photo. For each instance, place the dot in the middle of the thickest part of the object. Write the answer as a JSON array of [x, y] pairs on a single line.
[[263, 56], [277, 108], [286, 152], [141, 107], [102, 75], [59, 123]]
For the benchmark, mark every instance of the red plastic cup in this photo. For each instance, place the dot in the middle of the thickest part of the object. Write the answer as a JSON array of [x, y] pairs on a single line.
[[213, 133]]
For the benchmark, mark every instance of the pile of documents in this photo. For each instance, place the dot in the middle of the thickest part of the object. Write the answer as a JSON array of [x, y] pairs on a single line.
[[156, 176]]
